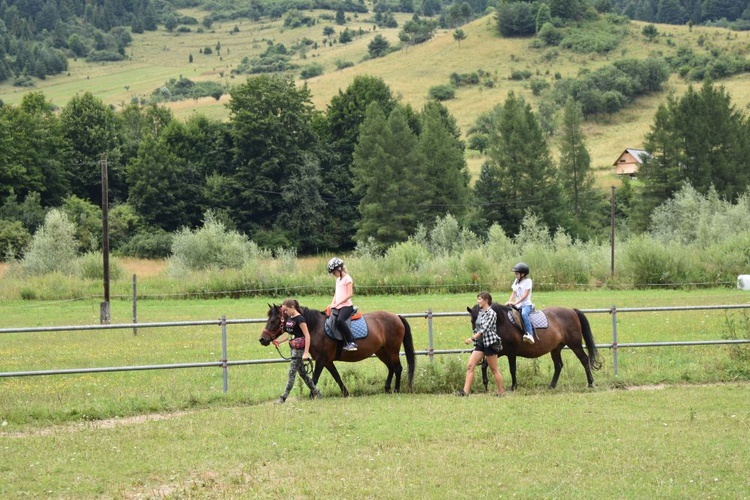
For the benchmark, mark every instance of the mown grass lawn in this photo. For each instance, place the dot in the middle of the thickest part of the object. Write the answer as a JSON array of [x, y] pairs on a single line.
[[674, 442]]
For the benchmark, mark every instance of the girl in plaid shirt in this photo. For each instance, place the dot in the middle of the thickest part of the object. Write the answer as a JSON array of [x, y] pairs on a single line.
[[486, 345]]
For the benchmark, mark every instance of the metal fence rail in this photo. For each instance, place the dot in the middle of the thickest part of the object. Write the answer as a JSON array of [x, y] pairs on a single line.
[[430, 352]]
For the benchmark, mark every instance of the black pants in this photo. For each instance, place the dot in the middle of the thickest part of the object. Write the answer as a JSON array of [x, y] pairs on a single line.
[[341, 316]]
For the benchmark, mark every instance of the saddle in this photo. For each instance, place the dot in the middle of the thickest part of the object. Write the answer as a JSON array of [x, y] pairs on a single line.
[[356, 323], [538, 319]]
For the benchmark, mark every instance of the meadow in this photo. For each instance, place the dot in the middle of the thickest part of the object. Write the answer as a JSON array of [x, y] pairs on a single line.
[[670, 424], [156, 57]]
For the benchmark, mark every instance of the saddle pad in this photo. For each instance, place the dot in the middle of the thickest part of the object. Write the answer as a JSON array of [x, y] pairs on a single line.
[[357, 326], [538, 319]]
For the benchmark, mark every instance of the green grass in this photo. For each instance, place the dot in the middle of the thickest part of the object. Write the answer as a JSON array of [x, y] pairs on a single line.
[[155, 57], [679, 442], [30, 402], [174, 434]]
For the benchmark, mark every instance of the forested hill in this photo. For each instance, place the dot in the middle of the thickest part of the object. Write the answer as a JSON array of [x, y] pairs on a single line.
[[38, 37], [727, 13]]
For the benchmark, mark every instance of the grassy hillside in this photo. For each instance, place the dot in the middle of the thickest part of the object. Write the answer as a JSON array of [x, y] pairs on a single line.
[[158, 56]]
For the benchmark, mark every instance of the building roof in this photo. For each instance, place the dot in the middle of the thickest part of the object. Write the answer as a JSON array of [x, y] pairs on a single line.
[[638, 154]]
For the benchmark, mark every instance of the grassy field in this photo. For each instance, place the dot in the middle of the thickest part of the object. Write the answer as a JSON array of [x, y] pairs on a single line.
[[156, 57], [671, 442], [37, 401], [677, 432]]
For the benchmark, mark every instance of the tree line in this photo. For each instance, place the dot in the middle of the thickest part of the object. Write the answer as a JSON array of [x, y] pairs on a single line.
[[367, 170]]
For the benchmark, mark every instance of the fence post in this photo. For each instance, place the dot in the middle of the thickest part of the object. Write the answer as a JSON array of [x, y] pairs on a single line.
[[135, 314], [224, 351], [614, 336], [431, 347]]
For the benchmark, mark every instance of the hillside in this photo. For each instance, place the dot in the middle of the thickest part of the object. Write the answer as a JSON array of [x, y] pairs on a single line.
[[156, 57]]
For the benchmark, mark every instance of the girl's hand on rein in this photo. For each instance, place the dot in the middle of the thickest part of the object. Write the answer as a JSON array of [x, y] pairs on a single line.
[[275, 343]]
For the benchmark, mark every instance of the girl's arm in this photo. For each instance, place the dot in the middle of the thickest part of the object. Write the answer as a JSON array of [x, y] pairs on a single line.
[[277, 341], [306, 333], [523, 297]]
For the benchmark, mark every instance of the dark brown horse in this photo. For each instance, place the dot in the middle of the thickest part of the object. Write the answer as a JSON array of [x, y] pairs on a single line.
[[386, 333], [567, 327]]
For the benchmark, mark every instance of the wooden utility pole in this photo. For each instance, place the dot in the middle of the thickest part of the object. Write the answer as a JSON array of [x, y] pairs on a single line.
[[612, 257], [104, 313]]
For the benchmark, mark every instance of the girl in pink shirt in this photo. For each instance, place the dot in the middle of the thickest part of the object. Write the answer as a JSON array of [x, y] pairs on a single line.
[[341, 305]]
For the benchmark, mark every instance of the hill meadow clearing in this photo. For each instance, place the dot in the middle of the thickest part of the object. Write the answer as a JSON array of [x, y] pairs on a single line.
[[156, 57]]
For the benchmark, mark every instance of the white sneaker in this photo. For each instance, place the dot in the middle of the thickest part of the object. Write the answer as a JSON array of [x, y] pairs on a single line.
[[528, 339]]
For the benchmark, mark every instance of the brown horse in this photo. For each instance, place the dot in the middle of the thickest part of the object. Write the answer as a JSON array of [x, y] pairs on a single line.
[[567, 327], [386, 333]]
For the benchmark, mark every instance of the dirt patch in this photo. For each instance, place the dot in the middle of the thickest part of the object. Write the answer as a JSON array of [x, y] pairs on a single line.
[[654, 387], [109, 423]]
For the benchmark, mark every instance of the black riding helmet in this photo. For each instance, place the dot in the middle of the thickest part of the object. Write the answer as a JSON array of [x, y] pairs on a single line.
[[521, 267]]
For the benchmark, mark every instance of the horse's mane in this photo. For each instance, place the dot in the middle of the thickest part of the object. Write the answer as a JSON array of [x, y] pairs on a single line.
[[312, 316], [496, 306]]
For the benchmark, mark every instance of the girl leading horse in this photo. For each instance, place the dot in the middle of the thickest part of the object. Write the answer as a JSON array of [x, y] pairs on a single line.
[[567, 327], [386, 333]]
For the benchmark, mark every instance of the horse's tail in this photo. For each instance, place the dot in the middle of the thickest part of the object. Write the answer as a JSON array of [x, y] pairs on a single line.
[[594, 359], [411, 359]]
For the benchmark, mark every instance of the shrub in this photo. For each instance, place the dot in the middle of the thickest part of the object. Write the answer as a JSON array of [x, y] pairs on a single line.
[[550, 35], [520, 74], [443, 92], [209, 247], [591, 41], [405, 257], [311, 70], [53, 246], [538, 85], [152, 243], [104, 56], [341, 64], [90, 266], [14, 238], [649, 262]]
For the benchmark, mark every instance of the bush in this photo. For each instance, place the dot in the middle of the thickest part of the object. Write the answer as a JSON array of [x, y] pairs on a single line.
[[104, 56], [538, 85], [648, 262], [443, 92], [53, 247], [210, 247], [153, 243], [405, 257], [311, 71], [550, 35], [90, 266], [520, 74], [14, 238], [593, 41], [341, 64]]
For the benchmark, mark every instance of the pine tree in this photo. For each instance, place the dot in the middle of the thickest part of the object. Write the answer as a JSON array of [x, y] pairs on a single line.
[[445, 164], [576, 176], [387, 176], [518, 148]]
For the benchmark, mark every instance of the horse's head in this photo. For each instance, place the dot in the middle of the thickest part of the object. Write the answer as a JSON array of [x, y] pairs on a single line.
[[473, 312], [274, 325]]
